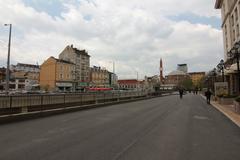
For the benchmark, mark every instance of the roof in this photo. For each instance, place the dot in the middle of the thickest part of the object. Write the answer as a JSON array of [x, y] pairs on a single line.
[[62, 61], [127, 81], [191, 73], [176, 73], [182, 64], [77, 51], [28, 65], [218, 4]]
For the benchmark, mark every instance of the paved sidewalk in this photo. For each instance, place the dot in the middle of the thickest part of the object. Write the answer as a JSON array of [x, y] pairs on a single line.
[[227, 110]]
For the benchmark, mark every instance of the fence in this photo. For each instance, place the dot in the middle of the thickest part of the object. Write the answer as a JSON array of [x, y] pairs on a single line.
[[15, 103]]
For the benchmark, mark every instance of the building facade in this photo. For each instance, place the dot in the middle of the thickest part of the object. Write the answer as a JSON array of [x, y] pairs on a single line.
[[99, 77], [175, 78], [182, 67], [230, 12], [130, 84], [25, 67], [81, 59], [151, 83], [113, 80], [196, 77], [57, 75]]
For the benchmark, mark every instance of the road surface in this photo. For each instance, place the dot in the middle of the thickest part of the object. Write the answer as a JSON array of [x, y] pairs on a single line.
[[164, 128]]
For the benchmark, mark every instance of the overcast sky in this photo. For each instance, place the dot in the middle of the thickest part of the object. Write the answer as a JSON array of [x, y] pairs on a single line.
[[134, 34]]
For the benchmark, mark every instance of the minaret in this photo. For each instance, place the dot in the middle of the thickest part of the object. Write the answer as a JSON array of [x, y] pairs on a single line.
[[161, 71]]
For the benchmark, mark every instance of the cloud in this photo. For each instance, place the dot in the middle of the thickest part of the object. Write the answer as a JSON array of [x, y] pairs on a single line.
[[133, 34]]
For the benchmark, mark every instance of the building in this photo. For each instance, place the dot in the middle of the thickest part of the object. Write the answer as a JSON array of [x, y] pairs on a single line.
[[182, 67], [151, 84], [25, 67], [81, 59], [2, 77], [196, 77], [99, 77], [57, 75], [230, 11], [21, 81], [113, 80], [175, 77], [2, 74], [130, 84]]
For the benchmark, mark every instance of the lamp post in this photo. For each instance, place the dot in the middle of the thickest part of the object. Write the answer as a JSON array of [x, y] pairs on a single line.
[[221, 68], [8, 58], [213, 74]]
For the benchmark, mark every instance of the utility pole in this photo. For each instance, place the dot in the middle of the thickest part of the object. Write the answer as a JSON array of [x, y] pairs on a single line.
[[113, 67], [8, 58]]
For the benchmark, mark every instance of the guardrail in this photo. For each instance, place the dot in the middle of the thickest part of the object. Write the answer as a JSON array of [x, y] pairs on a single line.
[[29, 103]]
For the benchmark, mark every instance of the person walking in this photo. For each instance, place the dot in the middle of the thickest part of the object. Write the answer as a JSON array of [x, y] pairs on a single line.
[[208, 95], [181, 93]]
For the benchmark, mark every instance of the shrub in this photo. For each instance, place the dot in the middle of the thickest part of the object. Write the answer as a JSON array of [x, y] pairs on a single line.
[[230, 96], [220, 95], [237, 99]]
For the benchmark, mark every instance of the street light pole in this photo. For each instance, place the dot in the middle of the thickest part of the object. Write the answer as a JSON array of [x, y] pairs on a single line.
[[8, 58]]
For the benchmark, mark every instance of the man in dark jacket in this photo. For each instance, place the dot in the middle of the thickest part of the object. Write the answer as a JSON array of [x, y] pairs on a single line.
[[181, 92], [208, 95]]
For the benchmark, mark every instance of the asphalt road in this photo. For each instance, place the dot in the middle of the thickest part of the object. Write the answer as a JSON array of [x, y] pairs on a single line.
[[165, 128]]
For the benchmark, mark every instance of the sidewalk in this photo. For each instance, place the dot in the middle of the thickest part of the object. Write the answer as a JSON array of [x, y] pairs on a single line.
[[227, 110]]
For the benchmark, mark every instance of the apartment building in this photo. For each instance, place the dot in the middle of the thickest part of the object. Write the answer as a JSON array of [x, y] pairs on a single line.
[[230, 12], [99, 77], [81, 59], [57, 75]]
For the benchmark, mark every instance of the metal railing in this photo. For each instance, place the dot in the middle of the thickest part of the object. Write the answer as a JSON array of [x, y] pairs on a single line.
[[16, 101]]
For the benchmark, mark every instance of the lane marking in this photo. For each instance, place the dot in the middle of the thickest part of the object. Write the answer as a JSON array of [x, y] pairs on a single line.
[[200, 117]]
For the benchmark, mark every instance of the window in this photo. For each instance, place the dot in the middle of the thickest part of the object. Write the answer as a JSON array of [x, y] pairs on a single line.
[[236, 14], [237, 30], [232, 19], [223, 6], [234, 37], [61, 76]]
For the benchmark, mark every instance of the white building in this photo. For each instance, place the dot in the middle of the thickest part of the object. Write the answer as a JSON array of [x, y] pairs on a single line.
[[230, 11]]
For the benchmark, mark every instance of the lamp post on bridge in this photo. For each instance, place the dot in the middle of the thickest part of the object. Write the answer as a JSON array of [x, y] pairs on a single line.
[[8, 58]]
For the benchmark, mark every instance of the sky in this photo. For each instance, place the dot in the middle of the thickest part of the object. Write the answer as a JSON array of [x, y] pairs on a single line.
[[134, 34]]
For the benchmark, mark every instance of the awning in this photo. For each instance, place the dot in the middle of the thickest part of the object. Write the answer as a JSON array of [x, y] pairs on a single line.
[[232, 69]]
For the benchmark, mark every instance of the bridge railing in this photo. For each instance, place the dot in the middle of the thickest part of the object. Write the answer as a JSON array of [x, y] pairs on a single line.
[[30, 103]]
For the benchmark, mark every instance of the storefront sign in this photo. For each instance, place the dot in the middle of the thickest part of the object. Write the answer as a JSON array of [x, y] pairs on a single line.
[[64, 84]]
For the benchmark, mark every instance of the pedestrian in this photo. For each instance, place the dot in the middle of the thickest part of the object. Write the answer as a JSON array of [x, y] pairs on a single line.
[[208, 95], [181, 93]]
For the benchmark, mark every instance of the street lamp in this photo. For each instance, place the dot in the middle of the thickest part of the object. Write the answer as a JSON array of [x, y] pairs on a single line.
[[8, 58], [213, 74], [221, 67]]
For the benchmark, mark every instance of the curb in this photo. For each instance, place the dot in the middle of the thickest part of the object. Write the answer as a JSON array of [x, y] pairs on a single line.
[[229, 114]]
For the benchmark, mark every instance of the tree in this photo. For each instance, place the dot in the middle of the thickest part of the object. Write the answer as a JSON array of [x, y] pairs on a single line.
[[186, 84]]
